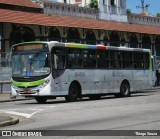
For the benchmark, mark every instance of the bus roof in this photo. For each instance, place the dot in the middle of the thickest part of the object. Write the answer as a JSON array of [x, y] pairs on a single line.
[[102, 47], [86, 46]]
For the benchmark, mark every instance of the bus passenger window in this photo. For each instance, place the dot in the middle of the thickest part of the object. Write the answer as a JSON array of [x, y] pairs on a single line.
[[89, 59], [74, 58], [60, 62]]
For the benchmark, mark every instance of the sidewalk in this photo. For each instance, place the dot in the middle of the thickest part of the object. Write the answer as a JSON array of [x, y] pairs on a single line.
[[8, 120], [5, 97]]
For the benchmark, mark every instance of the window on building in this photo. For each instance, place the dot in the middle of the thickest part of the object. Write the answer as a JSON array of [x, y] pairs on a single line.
[[104, 2], [121, 3], [112, 2]]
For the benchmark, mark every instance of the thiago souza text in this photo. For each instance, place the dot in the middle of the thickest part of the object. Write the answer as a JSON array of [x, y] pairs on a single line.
[[146, 134]]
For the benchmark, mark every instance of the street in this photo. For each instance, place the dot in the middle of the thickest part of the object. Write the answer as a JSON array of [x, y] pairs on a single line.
[[139, 112]]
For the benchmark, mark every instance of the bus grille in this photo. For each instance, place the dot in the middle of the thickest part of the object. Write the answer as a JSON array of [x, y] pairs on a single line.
[[27, 91]]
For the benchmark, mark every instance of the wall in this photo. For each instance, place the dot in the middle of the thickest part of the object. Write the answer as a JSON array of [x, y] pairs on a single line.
[[113, 13], [144, 20]]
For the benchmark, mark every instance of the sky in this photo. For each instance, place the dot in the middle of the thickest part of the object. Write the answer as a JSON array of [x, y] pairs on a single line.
[[153, 9]]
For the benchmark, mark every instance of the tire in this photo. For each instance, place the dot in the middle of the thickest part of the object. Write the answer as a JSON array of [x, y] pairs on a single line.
[[74, 92], [41, 99], [95, 97], [124, 90]]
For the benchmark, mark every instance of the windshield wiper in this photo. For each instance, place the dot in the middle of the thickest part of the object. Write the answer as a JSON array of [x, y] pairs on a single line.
[[33, 58]]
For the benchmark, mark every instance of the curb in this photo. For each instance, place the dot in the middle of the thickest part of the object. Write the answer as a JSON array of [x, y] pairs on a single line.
[[11, 121], [11, 100]]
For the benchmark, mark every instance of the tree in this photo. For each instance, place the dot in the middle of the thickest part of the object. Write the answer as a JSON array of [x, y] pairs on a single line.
[[129, 11], [158, 14], [93, 4]]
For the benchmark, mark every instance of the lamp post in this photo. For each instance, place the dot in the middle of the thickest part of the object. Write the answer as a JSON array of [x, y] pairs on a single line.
[[143, 7]]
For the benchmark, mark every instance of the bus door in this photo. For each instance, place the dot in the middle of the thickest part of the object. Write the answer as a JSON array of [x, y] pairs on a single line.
[[58, 69]]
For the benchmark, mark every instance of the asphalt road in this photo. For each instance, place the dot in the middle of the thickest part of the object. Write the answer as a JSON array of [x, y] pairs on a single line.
[[141, 111]]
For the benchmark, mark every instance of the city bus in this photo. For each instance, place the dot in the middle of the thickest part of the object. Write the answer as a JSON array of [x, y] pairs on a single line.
[[47, 70]]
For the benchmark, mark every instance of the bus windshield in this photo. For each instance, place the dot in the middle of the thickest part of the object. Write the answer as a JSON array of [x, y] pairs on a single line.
[[30, 63]]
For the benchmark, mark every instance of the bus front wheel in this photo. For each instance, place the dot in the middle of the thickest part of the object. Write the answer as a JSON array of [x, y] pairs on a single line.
[[73, 93], [41, 99]]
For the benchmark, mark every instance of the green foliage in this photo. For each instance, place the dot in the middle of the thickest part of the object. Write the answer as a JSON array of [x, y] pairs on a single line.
[[158, 14], [87, 6], [93, 4], [129, 11]]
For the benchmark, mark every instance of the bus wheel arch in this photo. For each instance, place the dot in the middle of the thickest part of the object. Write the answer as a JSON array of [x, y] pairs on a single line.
[[74, 91], [124, 89]]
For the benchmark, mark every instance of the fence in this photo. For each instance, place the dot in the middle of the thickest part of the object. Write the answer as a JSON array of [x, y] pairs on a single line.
[[5, 72], [53, 8]]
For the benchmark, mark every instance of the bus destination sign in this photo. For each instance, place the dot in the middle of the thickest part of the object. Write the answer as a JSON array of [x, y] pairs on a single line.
[[29, 47]]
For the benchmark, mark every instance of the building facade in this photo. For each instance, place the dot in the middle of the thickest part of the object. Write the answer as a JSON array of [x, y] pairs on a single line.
[[112, 10], [25, 21], [66, 22]]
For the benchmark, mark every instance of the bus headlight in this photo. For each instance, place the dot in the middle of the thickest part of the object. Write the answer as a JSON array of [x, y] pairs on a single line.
[[15, 87], [44, 84]]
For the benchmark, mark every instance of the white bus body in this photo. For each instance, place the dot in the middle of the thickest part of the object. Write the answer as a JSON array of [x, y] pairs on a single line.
[[83, 71]]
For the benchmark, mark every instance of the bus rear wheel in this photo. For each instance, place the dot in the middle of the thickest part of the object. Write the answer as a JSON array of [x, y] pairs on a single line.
[[41, 99], [74, 92], [124, 90]]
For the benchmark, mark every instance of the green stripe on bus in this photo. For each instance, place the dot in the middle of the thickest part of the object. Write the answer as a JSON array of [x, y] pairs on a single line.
[[28, 84], [150, 65], [76, 45]]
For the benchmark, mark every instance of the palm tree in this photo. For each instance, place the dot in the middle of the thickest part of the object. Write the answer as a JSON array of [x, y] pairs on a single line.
[[158, 14]]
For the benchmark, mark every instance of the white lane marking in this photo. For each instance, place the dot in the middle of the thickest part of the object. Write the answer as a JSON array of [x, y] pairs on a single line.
[[23, 114], [26, 115]]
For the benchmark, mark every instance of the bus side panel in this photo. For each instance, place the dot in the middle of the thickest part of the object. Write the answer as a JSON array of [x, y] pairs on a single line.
[[104, 81], [119, 76], [92, 81], [89, 82], [142, 79], [60, 85], [99, 81]]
